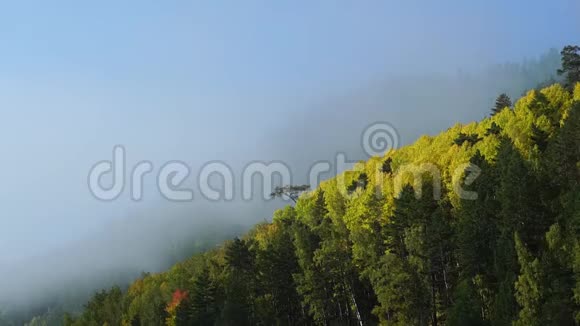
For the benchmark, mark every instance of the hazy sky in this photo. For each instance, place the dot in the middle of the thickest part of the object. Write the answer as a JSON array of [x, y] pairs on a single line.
[[182, 80]]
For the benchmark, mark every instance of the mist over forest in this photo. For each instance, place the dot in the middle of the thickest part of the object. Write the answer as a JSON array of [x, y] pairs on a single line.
[[153, 239], [196, 83]]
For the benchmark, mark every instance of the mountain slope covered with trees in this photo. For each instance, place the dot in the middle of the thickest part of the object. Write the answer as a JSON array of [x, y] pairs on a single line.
[[479, 225]]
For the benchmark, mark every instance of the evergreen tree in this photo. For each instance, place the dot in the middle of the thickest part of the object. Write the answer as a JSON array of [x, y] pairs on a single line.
[[276, 263], [529, 290], [472, 139], [239, 284], [386, 167], [204, 310], [570, 65], [540, 138], [501, 102], [467, 309], [476, 238], [494, 129]]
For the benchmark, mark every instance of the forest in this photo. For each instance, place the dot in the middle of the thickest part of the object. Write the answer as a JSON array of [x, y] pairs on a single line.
[[414, 237]]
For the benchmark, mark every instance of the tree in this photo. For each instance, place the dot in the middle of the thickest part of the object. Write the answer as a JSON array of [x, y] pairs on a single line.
[[467, 307], [177, 309], [402, 299], [276, 263], [105, 307], [563, 153], [386, 167], [539, 137], [204, 310], [360, 182], [494, 129], [290, 191], [239, 284], [419, 234], [529, 290], [472, 139], [503, 101], [522, 212], [476, 233], [570, 65]]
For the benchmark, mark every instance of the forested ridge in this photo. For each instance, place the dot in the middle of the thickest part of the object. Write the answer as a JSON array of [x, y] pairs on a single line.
[[374, 246]]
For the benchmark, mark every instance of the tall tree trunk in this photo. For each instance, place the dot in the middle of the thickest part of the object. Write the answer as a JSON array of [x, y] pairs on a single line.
[[434, 299], [357, 311], [447, 296]]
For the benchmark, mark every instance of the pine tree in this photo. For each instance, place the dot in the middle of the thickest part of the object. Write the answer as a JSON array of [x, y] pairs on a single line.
[[472, 139], [540, 138], [467, 307], [360, 182], [239, 284], [503, 101], [402, 301], [570, 65], [476, 237], [386, 166], [494, 129], [276, 263], [529, 289], [563, 153], [418, 234], [204, 310]]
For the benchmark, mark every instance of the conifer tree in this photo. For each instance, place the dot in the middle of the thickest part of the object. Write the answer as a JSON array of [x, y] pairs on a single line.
[[204, 310], [570, 65], [501, 102], [529, 290], [239, 284]]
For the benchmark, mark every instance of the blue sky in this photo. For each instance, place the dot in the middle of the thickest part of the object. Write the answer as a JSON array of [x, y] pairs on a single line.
[[225, 46], [201, 81]]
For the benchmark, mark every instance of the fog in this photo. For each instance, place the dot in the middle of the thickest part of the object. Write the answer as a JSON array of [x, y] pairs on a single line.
[[235, 84]]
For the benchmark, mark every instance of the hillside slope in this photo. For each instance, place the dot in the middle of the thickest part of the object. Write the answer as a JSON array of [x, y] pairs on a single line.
[[479, 225]]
